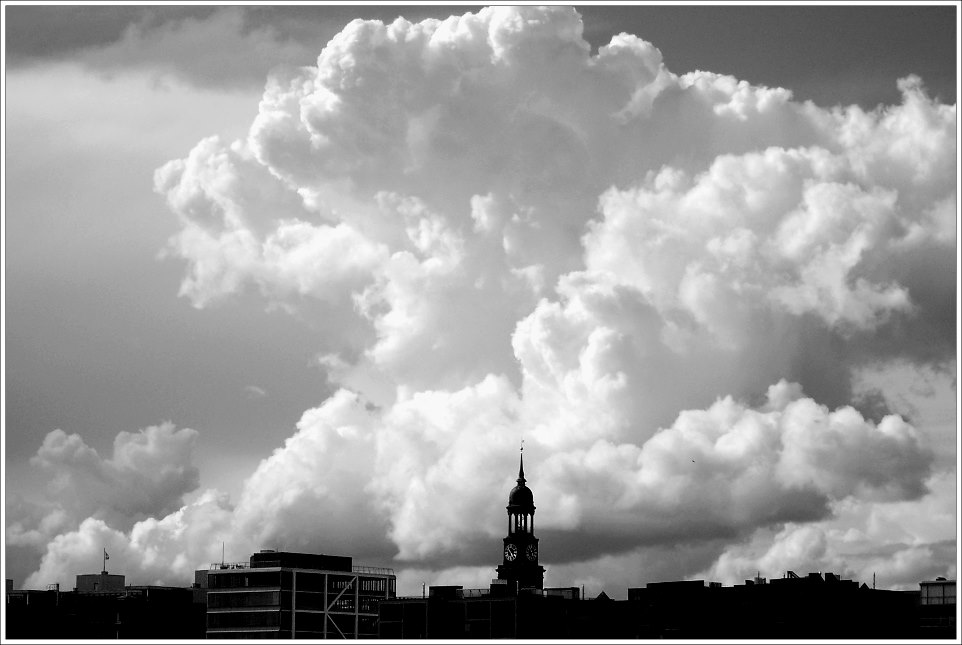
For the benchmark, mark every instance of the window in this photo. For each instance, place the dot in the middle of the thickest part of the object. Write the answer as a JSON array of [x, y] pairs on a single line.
[[248, 599], [310, 582], [368, 605], [344, 603], [239, 580], [310, 600], [244, 619], [373, 584], [367, 626], [309, 622]]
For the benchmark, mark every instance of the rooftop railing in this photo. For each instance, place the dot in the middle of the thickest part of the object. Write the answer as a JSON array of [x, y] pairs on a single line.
[[230, 565], [383, 571], [474, 593]]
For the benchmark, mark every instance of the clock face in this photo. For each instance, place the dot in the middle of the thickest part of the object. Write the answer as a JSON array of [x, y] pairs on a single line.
[[510, 552], [532, 552]]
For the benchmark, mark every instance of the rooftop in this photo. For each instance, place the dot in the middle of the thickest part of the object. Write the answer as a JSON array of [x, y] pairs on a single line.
[[358, 568]]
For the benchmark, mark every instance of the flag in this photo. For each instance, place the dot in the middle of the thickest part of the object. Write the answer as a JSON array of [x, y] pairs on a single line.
[[106, 555]]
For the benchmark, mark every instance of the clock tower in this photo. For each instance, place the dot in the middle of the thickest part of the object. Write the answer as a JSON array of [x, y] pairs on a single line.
[[520, 567]]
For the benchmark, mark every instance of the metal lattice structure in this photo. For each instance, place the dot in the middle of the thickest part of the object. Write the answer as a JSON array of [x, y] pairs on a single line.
[[251, 600]]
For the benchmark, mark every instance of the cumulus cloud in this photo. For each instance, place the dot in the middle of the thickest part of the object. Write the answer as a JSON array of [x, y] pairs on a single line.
[[163, 551], [311, 495], [668, 285], [437, 447], [729, 469], [803, 211], [895, 543], [148, 475], [575, 247]]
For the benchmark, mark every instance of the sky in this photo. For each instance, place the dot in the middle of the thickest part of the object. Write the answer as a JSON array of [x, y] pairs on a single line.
[[305, 277]]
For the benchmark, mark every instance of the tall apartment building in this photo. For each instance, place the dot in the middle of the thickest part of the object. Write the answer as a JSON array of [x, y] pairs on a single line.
[[296, 595]]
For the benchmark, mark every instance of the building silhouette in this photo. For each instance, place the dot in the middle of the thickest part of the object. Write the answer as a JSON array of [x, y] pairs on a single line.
[[279, 594], [516, 605], [103, 581], [95, 611], [520, 568], [937, 608], [812, 606], [451, 612]]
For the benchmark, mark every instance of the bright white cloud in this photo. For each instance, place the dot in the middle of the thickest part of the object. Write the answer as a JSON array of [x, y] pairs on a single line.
[[729, 469], [164, 552], [783, 229], [95, 503], [311, 494], [435, 447]]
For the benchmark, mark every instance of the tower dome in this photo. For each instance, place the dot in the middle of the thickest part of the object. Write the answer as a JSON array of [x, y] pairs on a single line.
[[520, 496]]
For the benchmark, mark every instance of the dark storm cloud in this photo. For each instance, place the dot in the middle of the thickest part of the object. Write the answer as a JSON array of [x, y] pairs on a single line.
[[51, 32], [224, 46], [824, 52], [829, 54], [676, 528], [303, 19]]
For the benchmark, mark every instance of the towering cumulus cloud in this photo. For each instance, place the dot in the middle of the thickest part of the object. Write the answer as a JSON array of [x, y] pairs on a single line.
[[666, 284]]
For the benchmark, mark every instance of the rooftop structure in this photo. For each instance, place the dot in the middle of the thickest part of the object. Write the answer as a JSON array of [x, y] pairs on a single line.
[[280, 594]]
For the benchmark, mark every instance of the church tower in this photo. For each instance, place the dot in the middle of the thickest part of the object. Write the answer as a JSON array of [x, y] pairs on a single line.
[[520, 567]]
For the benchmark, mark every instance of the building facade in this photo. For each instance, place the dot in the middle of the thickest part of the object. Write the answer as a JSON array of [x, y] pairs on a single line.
[[100, 582], [450, 612], [91, 612], [296, 595], [937, 608], [813, 606]]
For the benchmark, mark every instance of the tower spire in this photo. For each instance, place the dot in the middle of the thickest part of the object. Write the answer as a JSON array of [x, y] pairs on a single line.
[[521, 479]]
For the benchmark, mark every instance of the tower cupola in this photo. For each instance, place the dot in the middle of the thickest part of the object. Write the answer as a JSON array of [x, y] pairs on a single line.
[[520, 496], [520, 566]]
